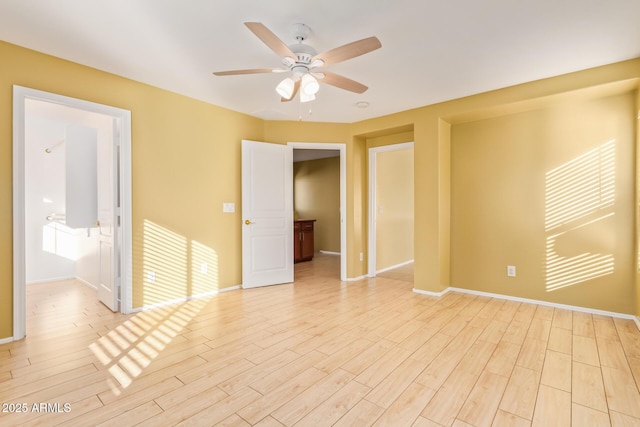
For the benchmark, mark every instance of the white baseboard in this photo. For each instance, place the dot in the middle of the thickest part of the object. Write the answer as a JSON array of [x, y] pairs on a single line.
[[533, 301], [431, 294], [184, 299], [84, 282], [355, 279], [546, 303], [329, 252], [53, 279], [61, 279], [6, 340], [394, 266]]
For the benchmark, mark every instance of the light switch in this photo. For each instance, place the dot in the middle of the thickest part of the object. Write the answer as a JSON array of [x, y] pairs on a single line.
[[228, 207]]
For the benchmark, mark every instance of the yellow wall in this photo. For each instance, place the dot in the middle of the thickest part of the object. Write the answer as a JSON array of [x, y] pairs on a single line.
[[186, 163], [549, 191], [433, 145], [394, 207], [316, 188]]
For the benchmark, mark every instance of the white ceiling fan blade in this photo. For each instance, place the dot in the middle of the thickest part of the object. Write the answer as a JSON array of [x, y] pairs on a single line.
[[270, 39], [348, 51], [337, 80], [250, 71]]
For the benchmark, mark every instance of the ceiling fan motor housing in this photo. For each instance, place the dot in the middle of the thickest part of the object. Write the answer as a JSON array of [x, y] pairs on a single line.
[[304, 55], [304, 52]]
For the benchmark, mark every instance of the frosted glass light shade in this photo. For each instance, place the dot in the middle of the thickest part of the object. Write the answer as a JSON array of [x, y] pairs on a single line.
[[304, 97], [285, 88], [310, 85]]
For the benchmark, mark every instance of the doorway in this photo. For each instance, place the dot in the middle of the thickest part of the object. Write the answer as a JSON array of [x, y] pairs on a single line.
[[391, 220], [340, 151], [37, 113]]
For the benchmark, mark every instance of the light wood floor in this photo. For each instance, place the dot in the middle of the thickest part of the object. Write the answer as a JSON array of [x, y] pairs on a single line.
[[317, 353]]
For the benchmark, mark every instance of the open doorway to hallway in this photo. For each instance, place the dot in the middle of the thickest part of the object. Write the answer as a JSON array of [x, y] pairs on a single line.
[[319, 176]]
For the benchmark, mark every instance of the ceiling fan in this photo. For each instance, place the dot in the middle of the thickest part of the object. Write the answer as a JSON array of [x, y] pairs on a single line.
[[303, 61]]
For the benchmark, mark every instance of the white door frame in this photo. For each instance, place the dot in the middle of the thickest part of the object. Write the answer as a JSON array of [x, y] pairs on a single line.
[[373, 152], [343, 193], [20, 94]]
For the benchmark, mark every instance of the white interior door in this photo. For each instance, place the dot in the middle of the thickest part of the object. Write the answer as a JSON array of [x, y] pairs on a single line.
[[108, 216], [267, 214]]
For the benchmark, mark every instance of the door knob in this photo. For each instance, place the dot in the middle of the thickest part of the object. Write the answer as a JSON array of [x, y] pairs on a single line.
[[246, 221]]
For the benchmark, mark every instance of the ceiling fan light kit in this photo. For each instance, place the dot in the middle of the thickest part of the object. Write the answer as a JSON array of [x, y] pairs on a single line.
[[302, 60], [304, 97], [310, 85], [285, 88]]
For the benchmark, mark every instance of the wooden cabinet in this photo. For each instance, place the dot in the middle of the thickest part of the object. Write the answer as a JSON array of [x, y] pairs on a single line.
[[303, 240]]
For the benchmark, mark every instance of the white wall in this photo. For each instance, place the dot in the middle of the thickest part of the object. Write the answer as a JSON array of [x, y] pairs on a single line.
[[54, 251]]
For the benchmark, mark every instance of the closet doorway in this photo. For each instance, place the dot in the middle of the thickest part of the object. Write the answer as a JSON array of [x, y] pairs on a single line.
[[391, 210]]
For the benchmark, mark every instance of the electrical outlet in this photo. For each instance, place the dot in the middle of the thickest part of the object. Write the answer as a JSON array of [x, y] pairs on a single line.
[[361, 256], [511, 270], [151, 276], [204, 268]]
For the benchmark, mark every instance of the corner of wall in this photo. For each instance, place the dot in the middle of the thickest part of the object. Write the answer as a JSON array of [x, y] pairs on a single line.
[[444, 166], [637, 211]]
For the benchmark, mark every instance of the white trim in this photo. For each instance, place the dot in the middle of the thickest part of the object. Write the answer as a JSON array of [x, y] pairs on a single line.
[[329, 252], [343, 193], [402, 264], [19, 270], [371, 247], [61, 279], [185, 299], [431, 294], [544, 303], [84, 282], [53, 279], [372, 218], [20, 94], [6, 340], [534, 301], [354, 279]]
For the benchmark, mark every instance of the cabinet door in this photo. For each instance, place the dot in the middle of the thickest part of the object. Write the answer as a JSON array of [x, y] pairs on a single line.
[[306, 250], [296, 242]]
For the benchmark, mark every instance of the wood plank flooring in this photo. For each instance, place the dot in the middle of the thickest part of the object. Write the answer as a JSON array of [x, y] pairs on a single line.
[[319, 352]]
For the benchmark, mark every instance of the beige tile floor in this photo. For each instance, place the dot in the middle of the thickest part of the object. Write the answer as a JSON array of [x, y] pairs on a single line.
[[319, 352]]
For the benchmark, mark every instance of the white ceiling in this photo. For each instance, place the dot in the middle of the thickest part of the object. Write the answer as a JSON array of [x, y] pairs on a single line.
[[432, 51]]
